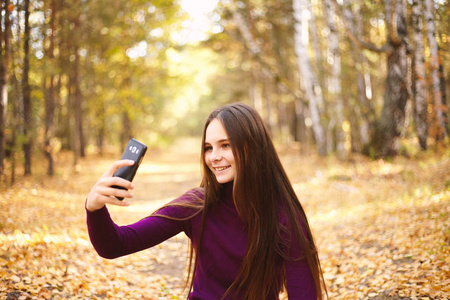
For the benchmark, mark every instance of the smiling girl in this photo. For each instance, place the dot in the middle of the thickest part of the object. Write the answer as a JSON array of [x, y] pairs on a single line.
[[249, 234]]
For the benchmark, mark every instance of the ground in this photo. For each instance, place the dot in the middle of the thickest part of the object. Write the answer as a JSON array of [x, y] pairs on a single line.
[[382, 227]]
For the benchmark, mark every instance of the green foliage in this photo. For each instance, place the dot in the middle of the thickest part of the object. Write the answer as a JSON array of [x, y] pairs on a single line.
[[129, 60]]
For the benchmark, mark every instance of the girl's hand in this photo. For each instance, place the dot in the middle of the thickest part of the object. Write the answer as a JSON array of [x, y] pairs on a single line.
[[103, 192]]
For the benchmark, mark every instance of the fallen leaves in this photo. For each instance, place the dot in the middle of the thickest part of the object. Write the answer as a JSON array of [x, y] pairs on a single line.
[[385, 235], [45, 252], [382, 229]]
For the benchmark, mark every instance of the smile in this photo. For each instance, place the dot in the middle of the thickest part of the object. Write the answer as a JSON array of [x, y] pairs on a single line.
[[218, 169]]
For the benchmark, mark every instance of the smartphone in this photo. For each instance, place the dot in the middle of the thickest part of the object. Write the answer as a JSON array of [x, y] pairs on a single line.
[[135, 150]]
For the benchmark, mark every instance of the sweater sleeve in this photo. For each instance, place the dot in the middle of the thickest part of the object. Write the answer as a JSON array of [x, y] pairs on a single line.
[[299, 280], [112, 241], [300, 284]]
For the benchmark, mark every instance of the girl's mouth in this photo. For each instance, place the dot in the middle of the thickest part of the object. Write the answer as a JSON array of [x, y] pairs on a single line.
[[219, 169]]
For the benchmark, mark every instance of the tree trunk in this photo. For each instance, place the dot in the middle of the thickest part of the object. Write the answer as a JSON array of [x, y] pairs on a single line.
[[307, 74], [420, 84], [283, 121], [301, 130], [444, 96], [15, 127], [77, 109], [315, 43], [253, 92], [101, 127], [27, 127], [16, 104], [441, 131], [363, 122], [4, 78], [267, 91], [126, 129], [79, 143], [50, 97], [64, 127], [335, 86], [386, 140]]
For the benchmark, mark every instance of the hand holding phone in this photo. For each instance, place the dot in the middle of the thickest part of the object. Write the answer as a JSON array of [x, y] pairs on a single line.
[[135, 151]]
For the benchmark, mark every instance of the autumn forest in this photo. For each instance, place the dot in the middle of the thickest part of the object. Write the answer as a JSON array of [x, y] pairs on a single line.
[[355, 95]]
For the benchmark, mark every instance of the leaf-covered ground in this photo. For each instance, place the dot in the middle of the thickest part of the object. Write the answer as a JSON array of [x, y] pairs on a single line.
[[382, 228]]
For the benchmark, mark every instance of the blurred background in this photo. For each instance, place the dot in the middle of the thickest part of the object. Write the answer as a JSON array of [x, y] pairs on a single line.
[[355, 95], [329, 77]]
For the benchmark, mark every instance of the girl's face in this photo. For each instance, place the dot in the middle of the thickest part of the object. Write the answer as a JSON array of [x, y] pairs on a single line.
[[218, 153]]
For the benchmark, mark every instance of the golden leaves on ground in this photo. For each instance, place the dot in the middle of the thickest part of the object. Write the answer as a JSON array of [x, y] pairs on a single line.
[[45, 252], [382, 229]]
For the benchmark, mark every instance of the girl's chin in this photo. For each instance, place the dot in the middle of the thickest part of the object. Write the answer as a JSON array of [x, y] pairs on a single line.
[[224, 179]]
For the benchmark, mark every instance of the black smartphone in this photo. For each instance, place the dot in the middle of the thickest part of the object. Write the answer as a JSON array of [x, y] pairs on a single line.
[[135, 150]]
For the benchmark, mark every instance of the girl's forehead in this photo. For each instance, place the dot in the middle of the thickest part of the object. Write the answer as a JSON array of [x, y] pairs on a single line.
[[215, 132]]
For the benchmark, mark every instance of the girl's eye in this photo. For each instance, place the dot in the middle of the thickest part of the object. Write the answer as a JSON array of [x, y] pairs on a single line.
[[208, 148], [226, 145]]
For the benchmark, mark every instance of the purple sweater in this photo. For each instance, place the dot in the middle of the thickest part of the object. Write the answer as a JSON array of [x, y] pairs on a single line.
[[223, 246]]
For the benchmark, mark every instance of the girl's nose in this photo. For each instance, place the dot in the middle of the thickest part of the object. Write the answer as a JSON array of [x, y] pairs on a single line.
[[215, 156]]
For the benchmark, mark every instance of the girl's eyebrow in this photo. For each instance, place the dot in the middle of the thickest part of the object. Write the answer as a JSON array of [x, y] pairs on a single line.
[[219, 141]]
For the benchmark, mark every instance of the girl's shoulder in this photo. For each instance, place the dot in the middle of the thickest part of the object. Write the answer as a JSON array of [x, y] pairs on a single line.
[[193, 196], [185, 206]]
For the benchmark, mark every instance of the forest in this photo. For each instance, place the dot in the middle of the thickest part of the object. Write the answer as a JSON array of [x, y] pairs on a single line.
[[335, 77], [355, 95]]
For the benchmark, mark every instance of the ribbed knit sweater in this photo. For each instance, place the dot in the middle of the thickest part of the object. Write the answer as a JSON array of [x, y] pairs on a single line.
[[221, 253]]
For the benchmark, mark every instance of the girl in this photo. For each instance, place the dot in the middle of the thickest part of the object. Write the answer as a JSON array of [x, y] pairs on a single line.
[[249, 234]]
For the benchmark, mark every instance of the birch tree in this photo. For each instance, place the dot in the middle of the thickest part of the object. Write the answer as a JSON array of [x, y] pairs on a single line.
[[335, 86], [312, 89], [386, 141], [363, 109], [441, 131], [419, 81], [391, 124]]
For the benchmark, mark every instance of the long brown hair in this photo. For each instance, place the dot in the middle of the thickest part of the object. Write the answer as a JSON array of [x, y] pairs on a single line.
[[262, 193], [261, 189]]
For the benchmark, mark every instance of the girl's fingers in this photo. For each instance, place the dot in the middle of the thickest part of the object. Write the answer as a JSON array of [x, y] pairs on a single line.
[[102, 195], [108, 181], [116, 166], [104, 191], [116, 192], [117, 181], [114, 201]]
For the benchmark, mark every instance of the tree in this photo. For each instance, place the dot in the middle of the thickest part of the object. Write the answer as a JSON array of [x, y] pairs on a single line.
[[441, 131], [4, 77], [420, 84], [26, 93], [335, 85], [307, 74], [390, 126], [49, 86]]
